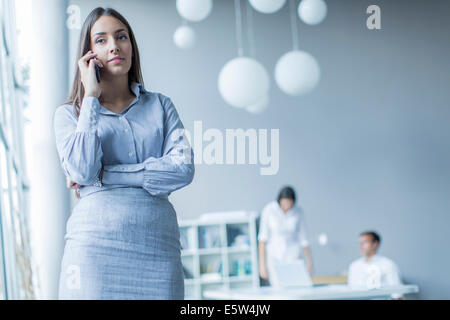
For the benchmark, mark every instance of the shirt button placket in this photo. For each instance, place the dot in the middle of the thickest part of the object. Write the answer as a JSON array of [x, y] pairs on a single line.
[[129, 137]]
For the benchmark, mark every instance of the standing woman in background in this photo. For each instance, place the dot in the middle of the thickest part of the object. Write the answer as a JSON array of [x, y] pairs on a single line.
[[123, 148], [282, 235]]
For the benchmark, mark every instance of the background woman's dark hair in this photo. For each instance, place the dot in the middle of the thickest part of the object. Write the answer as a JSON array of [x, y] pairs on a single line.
[[134, 75], [286, 193]]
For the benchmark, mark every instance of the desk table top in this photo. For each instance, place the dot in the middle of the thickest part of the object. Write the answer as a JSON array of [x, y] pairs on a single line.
[[322, 292]]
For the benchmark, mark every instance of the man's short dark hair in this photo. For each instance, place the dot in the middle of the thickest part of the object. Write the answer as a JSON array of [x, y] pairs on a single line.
[[375, 236]]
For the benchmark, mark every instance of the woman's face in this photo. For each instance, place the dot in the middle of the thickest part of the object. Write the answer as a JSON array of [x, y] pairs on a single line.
[[110, 39], [286, 204]]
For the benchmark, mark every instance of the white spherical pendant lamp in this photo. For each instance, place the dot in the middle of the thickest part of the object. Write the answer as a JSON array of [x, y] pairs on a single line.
[[297, 72], [194, 10], [184, 37], [267, 6], [243, 81], [312, 12]]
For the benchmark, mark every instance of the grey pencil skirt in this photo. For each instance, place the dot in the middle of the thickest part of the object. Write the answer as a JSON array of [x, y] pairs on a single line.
[[122, 243]]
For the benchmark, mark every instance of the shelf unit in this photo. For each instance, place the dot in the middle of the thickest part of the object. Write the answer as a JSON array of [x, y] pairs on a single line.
[[219, 254]]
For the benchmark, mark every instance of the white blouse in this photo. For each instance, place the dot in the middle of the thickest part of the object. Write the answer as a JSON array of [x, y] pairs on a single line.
[[285, 233]]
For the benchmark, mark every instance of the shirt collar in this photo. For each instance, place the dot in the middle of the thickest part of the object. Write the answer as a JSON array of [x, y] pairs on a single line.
[[372, 258], [137, 88]]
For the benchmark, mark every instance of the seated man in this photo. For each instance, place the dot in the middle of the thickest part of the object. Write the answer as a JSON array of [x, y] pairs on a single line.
[[373, 270]]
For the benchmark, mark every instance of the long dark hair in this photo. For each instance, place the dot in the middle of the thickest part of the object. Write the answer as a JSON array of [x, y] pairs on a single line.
[[134, 74]]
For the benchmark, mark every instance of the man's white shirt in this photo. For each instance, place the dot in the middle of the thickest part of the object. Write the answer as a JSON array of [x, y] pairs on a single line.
[[379, 271]]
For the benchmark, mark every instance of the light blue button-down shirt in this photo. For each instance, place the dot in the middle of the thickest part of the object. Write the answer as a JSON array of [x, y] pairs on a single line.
[[143, 146]]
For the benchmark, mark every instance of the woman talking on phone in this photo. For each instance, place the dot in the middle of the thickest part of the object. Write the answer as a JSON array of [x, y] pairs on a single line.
[[123, 150]]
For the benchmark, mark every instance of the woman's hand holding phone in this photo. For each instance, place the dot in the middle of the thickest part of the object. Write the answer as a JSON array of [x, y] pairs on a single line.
[[86, 64]]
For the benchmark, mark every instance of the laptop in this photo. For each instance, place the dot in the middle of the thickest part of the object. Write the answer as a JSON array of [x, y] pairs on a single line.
[[292, 273]]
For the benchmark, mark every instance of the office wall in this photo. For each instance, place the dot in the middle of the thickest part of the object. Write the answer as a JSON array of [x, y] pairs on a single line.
[[368, 149]]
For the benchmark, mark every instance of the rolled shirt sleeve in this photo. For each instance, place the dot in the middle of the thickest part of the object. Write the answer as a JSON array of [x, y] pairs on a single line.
[[393, 275], [263, 234], [303, 234], [393, 278], [160, 176], [78, 144]]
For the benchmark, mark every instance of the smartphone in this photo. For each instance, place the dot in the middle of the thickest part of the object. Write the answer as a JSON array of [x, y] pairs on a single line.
[[97, 71]]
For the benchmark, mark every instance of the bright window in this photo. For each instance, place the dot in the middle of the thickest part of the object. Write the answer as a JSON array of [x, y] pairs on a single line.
[[15, 261]]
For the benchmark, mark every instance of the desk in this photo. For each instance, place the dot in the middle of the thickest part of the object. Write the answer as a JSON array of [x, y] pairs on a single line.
[[325, 292]]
